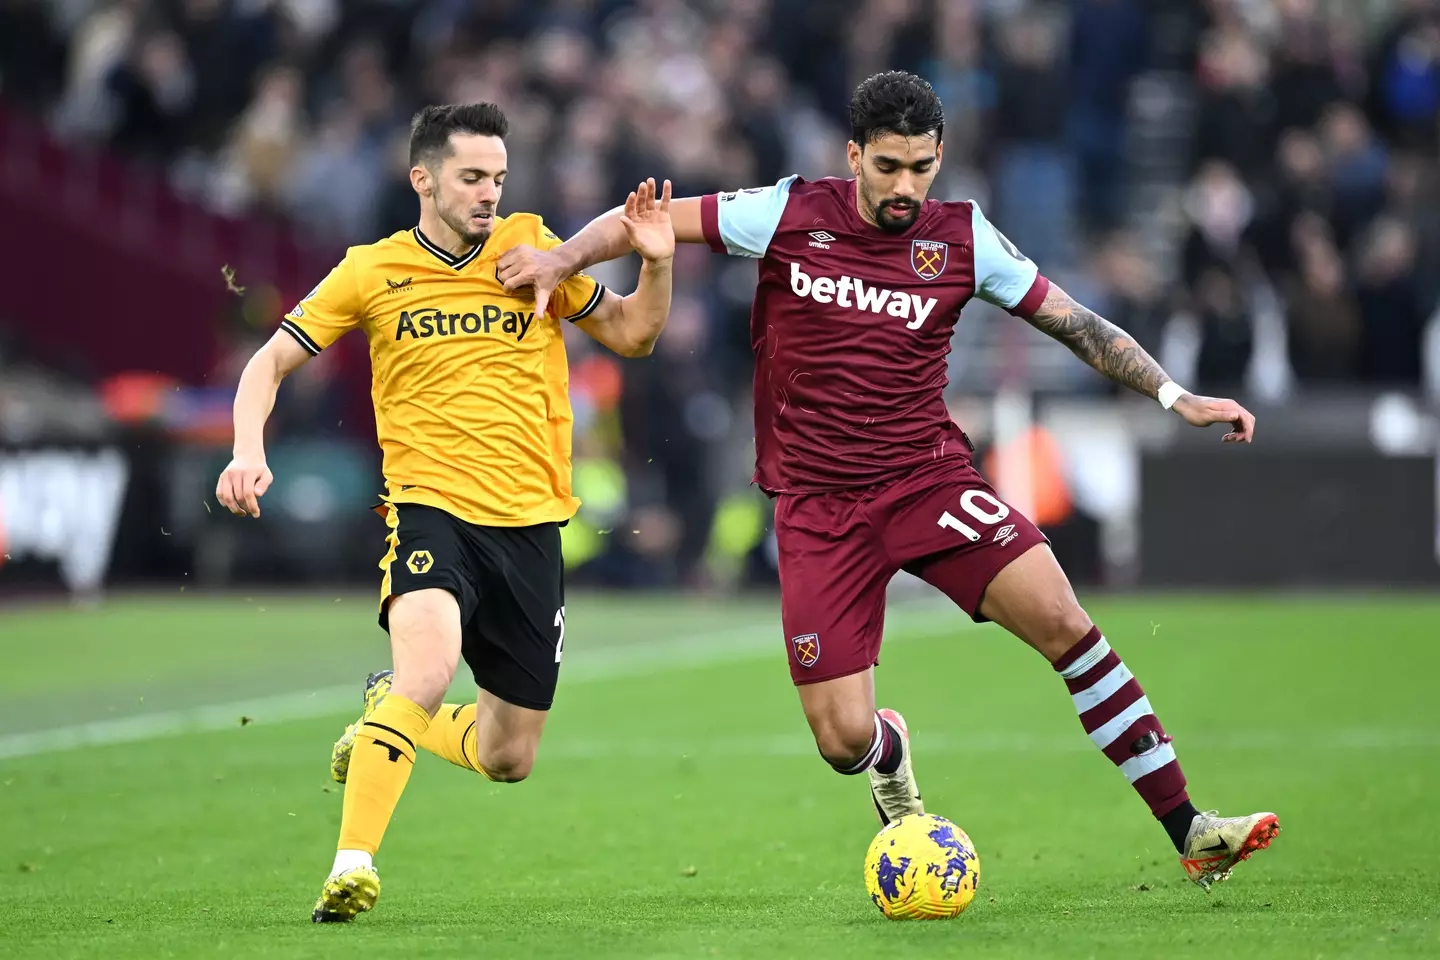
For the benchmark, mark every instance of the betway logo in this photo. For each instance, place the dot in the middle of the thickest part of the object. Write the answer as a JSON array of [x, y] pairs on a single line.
[[434, 322], [866, 297]]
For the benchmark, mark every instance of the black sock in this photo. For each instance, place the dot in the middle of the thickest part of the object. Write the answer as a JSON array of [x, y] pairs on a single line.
[[892, 752], [1177, 824], [884, 754]]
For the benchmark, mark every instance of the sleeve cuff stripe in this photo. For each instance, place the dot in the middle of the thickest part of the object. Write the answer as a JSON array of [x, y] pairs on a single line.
[[290, 327], [590, 304], [1032, 300], [710, 222]]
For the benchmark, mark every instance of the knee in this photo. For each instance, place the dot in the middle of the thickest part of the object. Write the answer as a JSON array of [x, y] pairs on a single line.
[[843, 741], [1062, 625], [425, 643], [509, 765], [424, 683]]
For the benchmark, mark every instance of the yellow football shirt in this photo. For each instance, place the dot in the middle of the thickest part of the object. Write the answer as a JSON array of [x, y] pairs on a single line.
[[471, 389]]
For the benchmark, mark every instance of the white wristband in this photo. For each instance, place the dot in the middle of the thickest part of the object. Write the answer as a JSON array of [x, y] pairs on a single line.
[[1170, 391]]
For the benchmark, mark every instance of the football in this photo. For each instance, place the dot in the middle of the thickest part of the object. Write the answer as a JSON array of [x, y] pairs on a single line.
[[922, 867]]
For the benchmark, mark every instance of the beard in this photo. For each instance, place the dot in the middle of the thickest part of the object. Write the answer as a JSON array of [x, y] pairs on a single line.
[[461, 225], [892, 215], [459, 221], [893, 218]]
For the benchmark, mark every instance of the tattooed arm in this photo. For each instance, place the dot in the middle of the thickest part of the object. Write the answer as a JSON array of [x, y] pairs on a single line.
[[1115, 353], [1007, 278], [1098, 342]]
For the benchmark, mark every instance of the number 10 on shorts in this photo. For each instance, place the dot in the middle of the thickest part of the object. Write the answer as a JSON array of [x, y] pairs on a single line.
[[980, 505]]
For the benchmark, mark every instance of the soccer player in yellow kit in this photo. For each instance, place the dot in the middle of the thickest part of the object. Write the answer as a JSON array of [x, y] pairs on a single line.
[[473, 416]]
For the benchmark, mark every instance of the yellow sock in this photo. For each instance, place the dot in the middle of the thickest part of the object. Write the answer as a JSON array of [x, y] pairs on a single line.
[[379, 769], [452, 735]]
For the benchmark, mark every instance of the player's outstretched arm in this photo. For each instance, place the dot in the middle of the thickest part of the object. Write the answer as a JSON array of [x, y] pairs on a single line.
[[631, 325], [1115, 353], [247, 477], [604, 238]]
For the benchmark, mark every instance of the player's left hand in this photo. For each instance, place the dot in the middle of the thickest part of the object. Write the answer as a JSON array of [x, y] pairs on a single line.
[[648, 223], [1204, 411]]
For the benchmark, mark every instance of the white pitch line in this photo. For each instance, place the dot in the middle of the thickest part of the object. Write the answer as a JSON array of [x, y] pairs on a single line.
[[605, 663], [800, 744], [168, 723]]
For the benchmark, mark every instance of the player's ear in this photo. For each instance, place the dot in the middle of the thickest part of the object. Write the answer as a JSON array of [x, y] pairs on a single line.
[[420, 180], [852, 153]]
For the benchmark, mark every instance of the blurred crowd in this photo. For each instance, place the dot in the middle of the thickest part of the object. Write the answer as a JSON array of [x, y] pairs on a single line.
[[1315, 173], [1306, 205]]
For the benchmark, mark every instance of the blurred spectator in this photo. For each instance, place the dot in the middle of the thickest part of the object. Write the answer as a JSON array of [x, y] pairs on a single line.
[[1107, 52], [960, 74], [153, 93], [1034, 179], [264, 144], [1392, 316], [1297, 187], [1305, 81], [1238, 117], [1356, 162], [1323, 319], [332, 191], [1221, 210], [1131, 291], [1218, 260], [1411, 196], [1405, 76]]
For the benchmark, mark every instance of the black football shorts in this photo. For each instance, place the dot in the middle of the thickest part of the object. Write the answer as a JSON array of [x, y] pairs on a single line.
[[510, 583]]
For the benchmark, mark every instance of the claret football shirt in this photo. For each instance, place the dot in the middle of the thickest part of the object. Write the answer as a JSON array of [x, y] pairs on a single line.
[[851, 326]]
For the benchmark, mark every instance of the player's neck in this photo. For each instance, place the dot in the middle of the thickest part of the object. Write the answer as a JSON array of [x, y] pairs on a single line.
[[438, 232]]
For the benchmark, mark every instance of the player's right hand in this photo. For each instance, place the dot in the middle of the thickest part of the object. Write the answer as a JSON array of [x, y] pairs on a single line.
[[242, 484], [524, 266]]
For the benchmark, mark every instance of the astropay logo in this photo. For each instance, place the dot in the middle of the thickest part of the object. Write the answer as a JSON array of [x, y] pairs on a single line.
[[855, 293]]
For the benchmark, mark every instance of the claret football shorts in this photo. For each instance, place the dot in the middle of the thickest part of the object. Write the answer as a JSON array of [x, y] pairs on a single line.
[[839, 550]]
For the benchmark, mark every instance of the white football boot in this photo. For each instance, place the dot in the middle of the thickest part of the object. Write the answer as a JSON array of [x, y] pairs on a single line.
[[1216, 844], [896, 794]]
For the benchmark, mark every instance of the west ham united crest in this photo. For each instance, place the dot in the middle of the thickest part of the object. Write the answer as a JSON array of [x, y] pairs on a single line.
[[929, 258], [807, 649]]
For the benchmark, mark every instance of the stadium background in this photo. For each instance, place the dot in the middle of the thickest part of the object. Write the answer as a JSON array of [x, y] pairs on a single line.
[[1249, 187]]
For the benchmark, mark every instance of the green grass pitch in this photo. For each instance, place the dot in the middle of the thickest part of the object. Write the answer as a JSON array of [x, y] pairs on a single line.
[[679, 809]]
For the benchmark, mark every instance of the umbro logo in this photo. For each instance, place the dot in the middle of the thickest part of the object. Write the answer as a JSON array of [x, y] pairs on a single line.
[[398, 284], [1005, 533], [821, 239]]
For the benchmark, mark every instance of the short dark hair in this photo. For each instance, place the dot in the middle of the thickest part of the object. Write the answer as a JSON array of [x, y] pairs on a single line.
[[895, 102], [432, 127]]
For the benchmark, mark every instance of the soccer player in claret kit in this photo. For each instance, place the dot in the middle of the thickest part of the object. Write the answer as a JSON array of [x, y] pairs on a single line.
[[473, 415], [861, 283]]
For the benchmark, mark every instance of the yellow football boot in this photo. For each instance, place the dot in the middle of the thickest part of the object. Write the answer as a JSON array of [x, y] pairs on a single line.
[[376, 686], [346, 895]]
